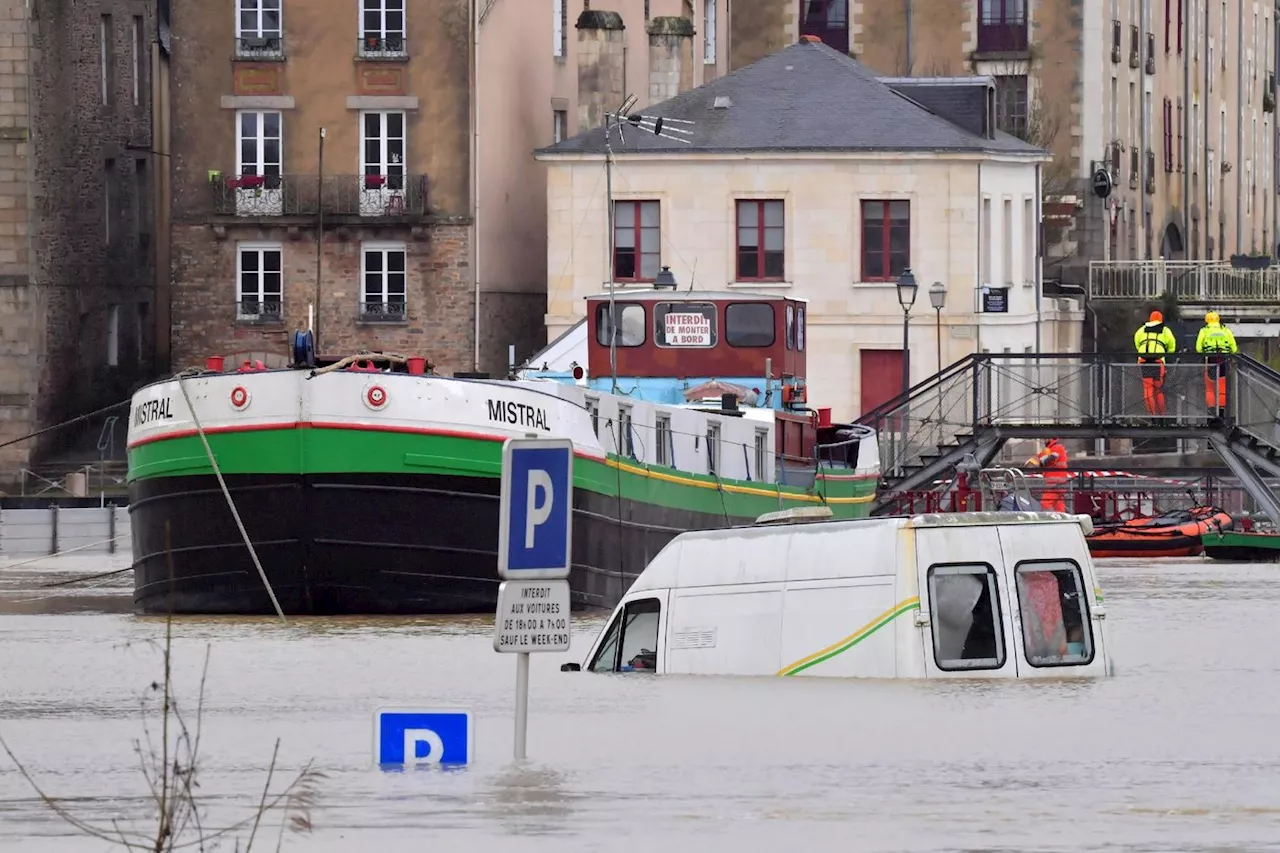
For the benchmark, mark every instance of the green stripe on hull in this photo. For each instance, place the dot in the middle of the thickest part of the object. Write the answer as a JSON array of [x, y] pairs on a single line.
[[321, 451]]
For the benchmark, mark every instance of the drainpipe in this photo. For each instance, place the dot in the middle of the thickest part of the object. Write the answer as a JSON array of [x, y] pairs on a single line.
[[1039, 255], [977, 271], [475, 177], [1144, 133], [910, 62], [1204, 90], [1185, 153], [1240, 101]]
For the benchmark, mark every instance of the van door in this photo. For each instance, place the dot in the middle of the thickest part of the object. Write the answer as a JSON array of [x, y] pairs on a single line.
[[635, 640], [1052, 598], [964, 602]]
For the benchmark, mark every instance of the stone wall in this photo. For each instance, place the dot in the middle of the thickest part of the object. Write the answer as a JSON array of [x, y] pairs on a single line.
[[440, 297], [601, 45], [64, 128]]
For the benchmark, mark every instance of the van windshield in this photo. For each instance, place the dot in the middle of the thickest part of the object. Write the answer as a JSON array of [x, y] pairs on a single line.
[[635, 631], [1055, 613], [964, 604]]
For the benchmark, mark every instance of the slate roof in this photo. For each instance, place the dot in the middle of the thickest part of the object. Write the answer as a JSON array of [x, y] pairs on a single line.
[[806, 97]]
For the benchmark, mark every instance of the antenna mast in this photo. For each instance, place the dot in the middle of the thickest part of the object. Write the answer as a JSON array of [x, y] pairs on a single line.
[[615, 122]]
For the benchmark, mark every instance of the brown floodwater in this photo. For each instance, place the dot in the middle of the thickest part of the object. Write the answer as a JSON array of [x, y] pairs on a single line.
[[1180, 751]]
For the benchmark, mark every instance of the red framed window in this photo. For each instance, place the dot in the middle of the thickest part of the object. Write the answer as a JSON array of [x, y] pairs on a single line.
[[760, 240], [886, 239], [636, 240]]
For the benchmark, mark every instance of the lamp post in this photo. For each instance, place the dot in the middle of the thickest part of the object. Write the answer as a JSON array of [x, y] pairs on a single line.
[[938, 299], [907, 289]]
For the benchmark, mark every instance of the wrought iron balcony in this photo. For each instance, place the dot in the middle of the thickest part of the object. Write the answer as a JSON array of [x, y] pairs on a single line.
[[269, 310], [997, 34], [383, 312], [391, 46], [269, 46], [371, 197]]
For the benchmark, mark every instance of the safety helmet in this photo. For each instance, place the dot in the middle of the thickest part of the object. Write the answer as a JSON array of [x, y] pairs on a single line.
[[1211, 317], [1156, 317]]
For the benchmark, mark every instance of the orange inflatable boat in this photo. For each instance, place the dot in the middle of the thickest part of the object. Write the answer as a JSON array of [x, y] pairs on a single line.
[[1174, 534]]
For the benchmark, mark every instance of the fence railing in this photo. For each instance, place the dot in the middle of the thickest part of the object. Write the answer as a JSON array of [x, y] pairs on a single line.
[[371, 196], [1189, 281], [1069, 390]]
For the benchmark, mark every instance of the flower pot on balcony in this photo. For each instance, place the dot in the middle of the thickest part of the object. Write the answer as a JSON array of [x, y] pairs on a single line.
[[375, 182], [1251, 262], [251, 182]]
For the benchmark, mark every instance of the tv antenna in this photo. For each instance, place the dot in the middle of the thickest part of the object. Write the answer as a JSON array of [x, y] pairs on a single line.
[[676, 130]]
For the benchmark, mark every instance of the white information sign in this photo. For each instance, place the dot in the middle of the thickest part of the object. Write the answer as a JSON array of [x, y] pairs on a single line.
[[533, 616], [687, 330]]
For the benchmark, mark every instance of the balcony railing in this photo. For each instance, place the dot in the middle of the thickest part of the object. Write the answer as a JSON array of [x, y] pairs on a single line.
[[382, 312], [1002, 35], [374, 46], [369, 196], [264, 47], [251, 309]]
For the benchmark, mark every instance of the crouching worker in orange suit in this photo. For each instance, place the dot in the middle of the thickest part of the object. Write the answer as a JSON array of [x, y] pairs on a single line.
[[1053, 459]]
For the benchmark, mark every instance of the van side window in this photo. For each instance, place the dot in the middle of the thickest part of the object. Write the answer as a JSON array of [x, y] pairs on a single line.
[[1055, 613], [635, 634], [964, 604]]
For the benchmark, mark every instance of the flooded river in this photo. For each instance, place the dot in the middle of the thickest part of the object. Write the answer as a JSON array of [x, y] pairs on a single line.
[[1179, 752]]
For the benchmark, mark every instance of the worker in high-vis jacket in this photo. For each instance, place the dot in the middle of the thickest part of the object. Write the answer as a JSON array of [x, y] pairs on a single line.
[[1215, 342], [1153, 340], [1053, 459]]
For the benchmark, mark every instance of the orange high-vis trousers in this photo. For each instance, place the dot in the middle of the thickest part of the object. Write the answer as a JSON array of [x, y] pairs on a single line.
[[1153, 372], [1215, 385]]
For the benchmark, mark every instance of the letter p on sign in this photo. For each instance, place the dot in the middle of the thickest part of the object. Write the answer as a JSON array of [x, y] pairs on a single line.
[[535, 517]]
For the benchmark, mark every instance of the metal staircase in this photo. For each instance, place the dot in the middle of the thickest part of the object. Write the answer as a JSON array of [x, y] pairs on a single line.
[[981, 402]]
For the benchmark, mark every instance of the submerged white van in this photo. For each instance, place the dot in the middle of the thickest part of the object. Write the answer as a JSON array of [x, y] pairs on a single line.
[[972, 595]]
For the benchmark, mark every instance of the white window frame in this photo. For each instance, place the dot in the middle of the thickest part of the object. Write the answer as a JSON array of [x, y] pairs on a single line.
[[260, 294], [559, 125], [384, 142], [662, 440], [382, 32], [261, 142], [558, 28], [386, 249], [255, 7], [762, 454], [709, 32], [624, 441], [714, 441]]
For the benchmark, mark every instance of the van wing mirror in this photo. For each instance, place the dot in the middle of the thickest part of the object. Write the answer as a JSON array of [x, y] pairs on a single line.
[[571, 667]]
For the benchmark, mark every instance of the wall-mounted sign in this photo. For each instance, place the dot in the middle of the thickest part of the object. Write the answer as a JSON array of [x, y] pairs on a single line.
[[995, 300], [1102, 185], [687, 330]]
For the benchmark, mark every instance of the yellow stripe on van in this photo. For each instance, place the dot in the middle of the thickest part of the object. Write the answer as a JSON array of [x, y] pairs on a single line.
[[853, 639]]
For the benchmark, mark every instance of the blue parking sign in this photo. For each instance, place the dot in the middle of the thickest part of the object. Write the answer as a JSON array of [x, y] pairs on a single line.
[[404, 737], [535, 522]]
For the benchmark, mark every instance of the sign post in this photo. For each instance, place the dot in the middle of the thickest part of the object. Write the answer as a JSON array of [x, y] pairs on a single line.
[[535, 545]]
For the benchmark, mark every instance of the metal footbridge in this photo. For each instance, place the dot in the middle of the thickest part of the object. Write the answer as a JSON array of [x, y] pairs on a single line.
[[966, 414]]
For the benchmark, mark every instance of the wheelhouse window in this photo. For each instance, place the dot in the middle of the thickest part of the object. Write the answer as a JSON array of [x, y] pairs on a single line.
[[762, 453], [760, 241], [259, 277], [713, 449], [749, 324], [662, 440], [383, 294], [593, 409], [886, 239], [791, 327], [684, 324], [631, 644], [629, 326], [799, 328], [626, 440], [636, 240], [1055, 613], [965, 613]]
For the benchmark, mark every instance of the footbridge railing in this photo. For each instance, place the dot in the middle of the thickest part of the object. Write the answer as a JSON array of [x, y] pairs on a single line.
[[1010, 395], [1191, 282]]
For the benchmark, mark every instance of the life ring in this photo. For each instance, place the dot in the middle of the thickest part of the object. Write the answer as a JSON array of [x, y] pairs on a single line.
[[240, 398], [375, 397]]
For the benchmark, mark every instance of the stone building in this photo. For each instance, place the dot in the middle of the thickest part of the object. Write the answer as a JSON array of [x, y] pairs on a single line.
[[322, 168], [1175, 99], [77, 241]]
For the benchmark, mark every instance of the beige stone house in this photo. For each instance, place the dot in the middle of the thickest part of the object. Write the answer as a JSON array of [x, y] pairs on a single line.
[[808, 175]]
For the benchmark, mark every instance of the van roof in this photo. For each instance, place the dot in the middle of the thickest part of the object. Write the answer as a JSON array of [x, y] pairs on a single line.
[[664, 571]]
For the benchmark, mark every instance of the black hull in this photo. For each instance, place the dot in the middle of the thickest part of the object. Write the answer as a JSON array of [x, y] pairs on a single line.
[[366, 544], [1241, 553]]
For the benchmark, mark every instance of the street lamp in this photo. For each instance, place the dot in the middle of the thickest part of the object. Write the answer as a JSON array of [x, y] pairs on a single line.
[[907, 288], [938, 299]]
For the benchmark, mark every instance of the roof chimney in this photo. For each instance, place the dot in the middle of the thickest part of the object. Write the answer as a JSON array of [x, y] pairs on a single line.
[[601, 45]]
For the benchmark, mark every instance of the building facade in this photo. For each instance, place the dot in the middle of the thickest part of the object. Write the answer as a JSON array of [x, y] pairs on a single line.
[[574, 62], [77, 239], [830, 205], [321, 174], [1175, 99]]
